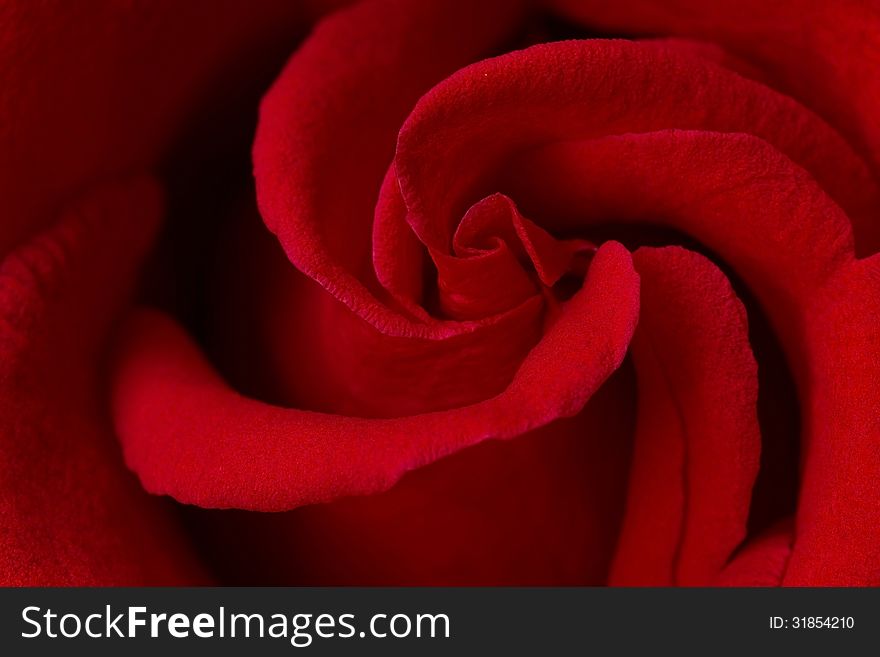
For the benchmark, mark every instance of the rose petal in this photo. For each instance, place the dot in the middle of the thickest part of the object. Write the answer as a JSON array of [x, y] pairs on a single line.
[[188, 435], [69, 511], [587, 89], [839, 507], [819, 298], [539, 509], [736, 195], [332, 117], [824, 53], [499, 259], [697, 436], [331, 120], [280, 336]]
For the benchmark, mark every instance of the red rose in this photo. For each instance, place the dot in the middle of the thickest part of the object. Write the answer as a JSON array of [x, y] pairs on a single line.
[[644, 263]]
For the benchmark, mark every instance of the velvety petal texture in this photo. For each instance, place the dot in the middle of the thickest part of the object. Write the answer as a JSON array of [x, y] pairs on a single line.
[[823, 53], [254, 456], [697, 435], [535, 293], [91, 92], [70, 514]]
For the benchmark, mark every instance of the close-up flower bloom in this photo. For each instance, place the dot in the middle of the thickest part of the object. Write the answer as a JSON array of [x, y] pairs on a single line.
[[440, 292]]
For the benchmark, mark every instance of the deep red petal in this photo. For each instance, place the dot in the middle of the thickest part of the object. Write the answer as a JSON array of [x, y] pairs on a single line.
[[697, 437], [188, 435], [839, 507], [540, 509], [70, 514], [578, 90], [331, 119], [823, 53]]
